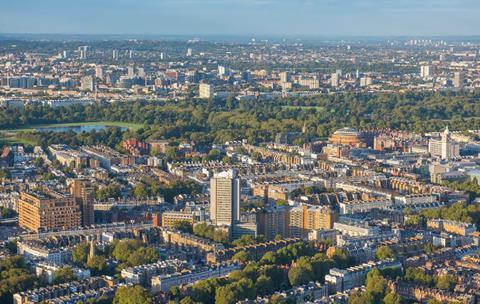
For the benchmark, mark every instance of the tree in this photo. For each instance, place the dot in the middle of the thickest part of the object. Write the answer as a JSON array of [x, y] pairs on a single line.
[[143, 255], [221, 236], [97, 264], [269, 258], [225, 295], [14, 277], [384, 253], [140, 191], [63, 275], [375, 287], [171, 153], [299, 275], [340, 257], [124, 248], [236, 275], [357, 298], [174, 292], [214, 154], [418, 275], [183, 226], [187, 300], [132, 295], [277, 274], [251, 271], [110, 191], [244, 240], [241, 256], [204, 291], [264, 285], [392, 298], [321, 266], [446, 282], [80, 253], [5, 173]]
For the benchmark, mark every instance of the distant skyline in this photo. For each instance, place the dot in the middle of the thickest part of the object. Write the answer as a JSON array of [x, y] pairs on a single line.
[[243, 17]]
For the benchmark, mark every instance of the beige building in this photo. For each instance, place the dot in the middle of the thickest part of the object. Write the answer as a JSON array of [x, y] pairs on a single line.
[[170, 219], [41, 211], [305, 218], [335, 80], [225, 198], [205, 90]]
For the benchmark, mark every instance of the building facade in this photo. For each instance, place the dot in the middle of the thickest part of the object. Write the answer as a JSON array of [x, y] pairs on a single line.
[[225, 198], [39, 211]]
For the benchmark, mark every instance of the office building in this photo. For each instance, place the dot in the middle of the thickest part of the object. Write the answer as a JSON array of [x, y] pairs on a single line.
[[303, 219], [335, 80], [444, 147], [222, 71], [458, 79], [205, 90], [171, 218], [274, 221], [42, 211], [99, 71], [425, 71], [365, 81], [88, 83], [130, 71], [225, 198], [83, 52], [284, 77]]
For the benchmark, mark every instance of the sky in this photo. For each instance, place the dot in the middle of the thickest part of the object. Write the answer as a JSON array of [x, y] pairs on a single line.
[[243, 17]]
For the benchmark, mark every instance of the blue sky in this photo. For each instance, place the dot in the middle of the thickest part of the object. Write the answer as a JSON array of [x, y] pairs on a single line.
[[243, 17]]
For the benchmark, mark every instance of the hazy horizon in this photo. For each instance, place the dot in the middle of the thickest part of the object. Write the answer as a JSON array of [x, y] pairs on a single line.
[[306, 18]]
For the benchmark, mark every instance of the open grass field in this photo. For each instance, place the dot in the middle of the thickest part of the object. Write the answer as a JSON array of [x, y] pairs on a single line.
[[305, 108], [10, 138]]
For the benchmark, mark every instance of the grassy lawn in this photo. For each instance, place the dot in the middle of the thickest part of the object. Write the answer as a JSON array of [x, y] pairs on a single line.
[[129, 125], [9, 138], [305, 108]]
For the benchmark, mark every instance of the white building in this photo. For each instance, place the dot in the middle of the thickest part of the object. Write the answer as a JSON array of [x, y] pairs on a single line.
[[425, 71], [49, 271], [225, 198], [163, 283], [444, 147], [352, 207]]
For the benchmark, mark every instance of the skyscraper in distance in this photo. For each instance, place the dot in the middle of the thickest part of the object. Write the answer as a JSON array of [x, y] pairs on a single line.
[[458, 79], [335, 80], [99, 71], [425, 71]]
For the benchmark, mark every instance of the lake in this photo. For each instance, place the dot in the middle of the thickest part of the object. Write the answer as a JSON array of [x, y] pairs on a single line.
[[76, 129]]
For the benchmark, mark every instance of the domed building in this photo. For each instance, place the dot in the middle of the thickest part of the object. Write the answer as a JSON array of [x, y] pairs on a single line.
[[347, 136]]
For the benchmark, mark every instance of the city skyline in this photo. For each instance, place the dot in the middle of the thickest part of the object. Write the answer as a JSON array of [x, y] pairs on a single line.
[[244, 17]]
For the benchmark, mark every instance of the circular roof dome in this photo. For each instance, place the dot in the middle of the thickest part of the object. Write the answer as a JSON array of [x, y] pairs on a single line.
[[347, 131]]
